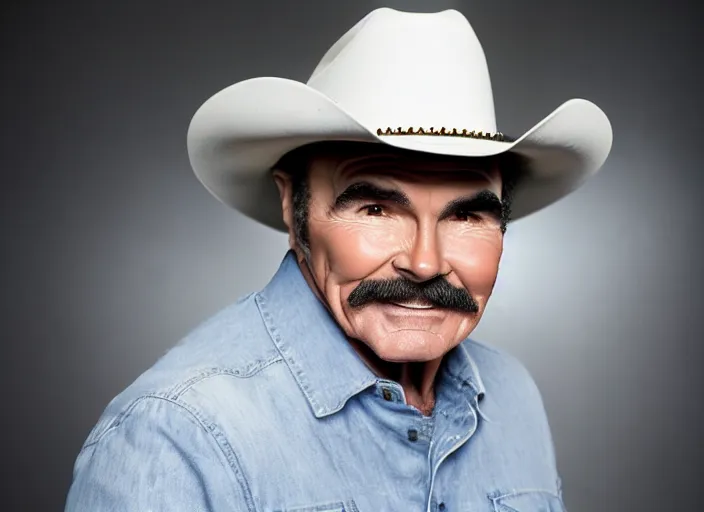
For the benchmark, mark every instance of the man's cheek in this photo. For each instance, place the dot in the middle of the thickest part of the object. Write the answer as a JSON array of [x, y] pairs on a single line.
[[356, 250], [476, 264]]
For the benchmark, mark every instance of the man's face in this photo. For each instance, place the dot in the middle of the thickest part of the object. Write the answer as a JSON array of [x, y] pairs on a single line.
[[403, 249]]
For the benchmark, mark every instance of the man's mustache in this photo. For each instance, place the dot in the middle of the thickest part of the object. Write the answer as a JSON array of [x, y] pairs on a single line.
[[436, 291]]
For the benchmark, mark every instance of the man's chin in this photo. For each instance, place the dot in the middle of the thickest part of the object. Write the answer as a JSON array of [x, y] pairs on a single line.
[[406, 359], [410, 346]]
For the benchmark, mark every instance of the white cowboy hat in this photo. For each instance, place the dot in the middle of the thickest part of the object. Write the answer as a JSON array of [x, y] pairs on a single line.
[[410, 80]]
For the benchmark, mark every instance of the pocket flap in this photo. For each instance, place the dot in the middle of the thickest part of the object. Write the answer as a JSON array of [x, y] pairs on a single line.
[[529, 501], [337, 506]]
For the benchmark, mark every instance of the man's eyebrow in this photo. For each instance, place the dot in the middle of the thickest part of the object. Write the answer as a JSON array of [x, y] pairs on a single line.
[[365, 191], [483, 201]]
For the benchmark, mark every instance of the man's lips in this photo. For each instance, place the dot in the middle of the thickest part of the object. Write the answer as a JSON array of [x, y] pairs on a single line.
[[413, 305]]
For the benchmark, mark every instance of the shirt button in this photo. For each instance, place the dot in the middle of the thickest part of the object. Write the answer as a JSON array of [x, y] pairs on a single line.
[[441, 506], [387, 394], [413, 435]]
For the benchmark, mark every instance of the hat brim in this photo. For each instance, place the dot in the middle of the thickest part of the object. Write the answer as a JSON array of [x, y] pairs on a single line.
[[239, 134]]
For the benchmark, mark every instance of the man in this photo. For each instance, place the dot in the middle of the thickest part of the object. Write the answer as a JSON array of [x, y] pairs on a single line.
[[349, 383]]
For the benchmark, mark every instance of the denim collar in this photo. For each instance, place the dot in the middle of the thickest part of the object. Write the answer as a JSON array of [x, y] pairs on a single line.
[[324, 364]]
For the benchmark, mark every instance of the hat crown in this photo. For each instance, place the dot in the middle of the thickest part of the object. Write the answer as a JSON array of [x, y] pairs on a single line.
[[399, 69]]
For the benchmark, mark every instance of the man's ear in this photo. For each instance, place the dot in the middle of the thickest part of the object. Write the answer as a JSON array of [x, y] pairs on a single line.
[[285, 186]]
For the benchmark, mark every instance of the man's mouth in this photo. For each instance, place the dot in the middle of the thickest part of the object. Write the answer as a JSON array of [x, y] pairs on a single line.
[[413, 305]]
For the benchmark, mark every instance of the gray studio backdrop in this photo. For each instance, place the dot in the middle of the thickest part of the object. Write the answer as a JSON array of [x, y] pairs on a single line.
[[111, 250]]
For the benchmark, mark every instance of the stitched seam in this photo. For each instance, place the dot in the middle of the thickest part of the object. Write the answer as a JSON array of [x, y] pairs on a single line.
[[222, 443], [519, 492], [116, 422], [496, 497], [208, 427], [178, 392], [250, 371], [358, 389], [299, 376], [500, 507], [461, 380]]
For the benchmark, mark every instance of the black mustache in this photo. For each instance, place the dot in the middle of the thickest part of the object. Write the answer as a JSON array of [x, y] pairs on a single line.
[[436, 291]]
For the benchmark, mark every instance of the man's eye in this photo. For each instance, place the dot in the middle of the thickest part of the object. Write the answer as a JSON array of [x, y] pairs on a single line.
[[374, 210], [466, 215]]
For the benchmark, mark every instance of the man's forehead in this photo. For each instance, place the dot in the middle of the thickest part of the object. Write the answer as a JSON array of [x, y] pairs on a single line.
[[346, 161]]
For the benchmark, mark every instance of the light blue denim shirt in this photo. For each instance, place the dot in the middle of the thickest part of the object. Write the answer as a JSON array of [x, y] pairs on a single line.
[[267, 407]]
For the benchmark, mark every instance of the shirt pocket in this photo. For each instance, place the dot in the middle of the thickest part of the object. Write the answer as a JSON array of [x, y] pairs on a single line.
[[337, 506], [529, 501]]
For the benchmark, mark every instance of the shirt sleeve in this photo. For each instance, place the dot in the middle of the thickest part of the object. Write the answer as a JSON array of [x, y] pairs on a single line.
[[157, 457]]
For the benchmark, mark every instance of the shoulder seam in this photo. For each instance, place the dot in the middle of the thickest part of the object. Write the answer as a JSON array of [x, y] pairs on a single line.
[[116, 421], [257, 366], [175, 392], [208, 427]]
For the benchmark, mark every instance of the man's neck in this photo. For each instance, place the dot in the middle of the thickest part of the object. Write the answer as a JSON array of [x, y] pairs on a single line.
[[416, 379]]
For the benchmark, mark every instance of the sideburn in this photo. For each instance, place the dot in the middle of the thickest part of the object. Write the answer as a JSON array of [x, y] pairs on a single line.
[[295, 163], [300, 201]]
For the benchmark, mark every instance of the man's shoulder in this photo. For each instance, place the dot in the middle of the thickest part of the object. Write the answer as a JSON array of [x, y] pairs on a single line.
[[234, 341], [502, 372], [222, 353], [512, 405]]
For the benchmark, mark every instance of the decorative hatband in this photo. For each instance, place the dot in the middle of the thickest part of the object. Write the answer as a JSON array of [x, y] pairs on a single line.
[[446, 132]]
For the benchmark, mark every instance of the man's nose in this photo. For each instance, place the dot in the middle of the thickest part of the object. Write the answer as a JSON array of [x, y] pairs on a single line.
[[423, 260]]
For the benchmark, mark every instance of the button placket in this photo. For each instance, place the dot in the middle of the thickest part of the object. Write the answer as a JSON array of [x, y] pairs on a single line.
[[420, 430], [455, 426]]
